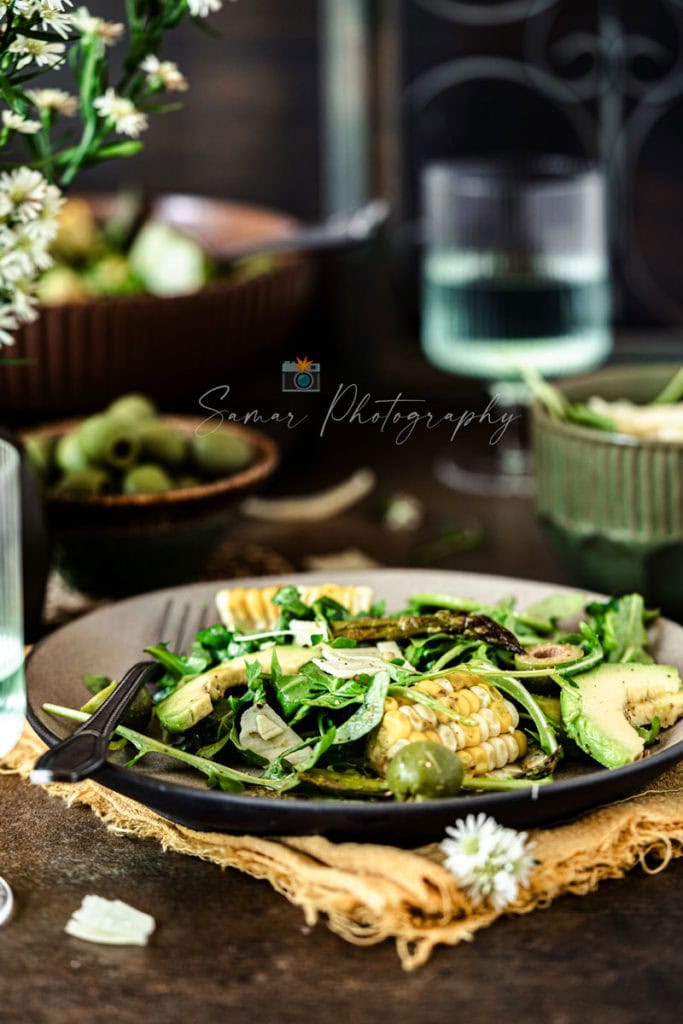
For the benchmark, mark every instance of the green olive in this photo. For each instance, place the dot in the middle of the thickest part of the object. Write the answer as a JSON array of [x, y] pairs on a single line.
[[548, 655], [425, 771], [146, 478], [104, 439], [69, 455], [221, 452], [90, 481], [39, 452], [160, 443], [133, 408]]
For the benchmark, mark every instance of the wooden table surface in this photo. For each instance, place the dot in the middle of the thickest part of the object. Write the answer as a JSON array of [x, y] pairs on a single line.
[[229, 949]]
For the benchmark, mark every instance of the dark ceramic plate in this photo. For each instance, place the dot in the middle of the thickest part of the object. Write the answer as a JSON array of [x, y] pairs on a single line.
[[109, 640]]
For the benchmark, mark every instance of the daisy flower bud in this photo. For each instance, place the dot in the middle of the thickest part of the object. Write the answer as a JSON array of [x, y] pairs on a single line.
[[122, 112], [53, 99], [16, 123], [163, 73]]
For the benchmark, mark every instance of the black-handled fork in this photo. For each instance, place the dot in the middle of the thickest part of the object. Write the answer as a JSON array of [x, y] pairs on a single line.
[[85, 750]]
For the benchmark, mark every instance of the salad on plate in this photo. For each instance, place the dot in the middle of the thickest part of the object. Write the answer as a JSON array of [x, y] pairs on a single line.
[[321, 690]]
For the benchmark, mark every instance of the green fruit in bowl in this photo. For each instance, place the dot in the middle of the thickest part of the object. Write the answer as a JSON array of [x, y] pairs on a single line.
[[221, 453], [167, 262], [111, 275], [87, 482], [105, 439], [146, 478], [133, 408], [69, 455], [61, 284], [159, 443]]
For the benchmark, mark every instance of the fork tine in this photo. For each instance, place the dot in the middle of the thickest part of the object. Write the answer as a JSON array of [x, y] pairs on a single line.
[[164, 631], [164, 621], [204, 617], [182, 627]]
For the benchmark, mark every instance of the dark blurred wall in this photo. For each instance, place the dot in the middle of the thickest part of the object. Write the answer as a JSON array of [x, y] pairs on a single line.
[[597, 78], [602, 78], [249, 124]]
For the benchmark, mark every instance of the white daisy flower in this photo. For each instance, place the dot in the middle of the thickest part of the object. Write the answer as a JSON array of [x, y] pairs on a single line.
[[122, 112], [26, 189], [28, 221], [164, 73], [8, 324], [203, 8], [22, 258], [54, 19], [108, 32], [53, 99], [27, 8], [45, 54], [40, 232], [16, 123], [487, 860], [24, 300]]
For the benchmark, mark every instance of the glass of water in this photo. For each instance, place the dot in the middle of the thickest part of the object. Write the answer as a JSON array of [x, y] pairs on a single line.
[[515, 270], [12, 690]]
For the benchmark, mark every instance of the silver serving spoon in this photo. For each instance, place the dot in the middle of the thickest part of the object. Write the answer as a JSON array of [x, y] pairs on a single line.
[[6, 902], [340, 231]]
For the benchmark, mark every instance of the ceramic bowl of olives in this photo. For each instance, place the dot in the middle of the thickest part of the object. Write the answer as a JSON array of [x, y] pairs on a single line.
[[136, 500]]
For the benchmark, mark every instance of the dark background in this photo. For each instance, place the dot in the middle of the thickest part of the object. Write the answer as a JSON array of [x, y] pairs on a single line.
[[599, 78]]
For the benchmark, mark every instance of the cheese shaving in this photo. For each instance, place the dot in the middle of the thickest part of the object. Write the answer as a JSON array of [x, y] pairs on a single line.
[[111, 922]]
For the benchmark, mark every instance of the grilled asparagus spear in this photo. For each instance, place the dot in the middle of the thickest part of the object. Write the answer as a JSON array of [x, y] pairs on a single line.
[[476, 627]]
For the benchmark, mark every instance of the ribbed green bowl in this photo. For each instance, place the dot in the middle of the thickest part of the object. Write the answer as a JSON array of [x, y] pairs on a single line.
[[612, 505]]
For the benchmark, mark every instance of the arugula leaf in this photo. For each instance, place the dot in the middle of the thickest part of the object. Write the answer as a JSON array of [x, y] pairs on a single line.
[[544, 615], [649, 736], [420, 602], [330, 610], [254, 672], [620, 626], [311, 687], [289, 600], [369, 714], [178, 665]]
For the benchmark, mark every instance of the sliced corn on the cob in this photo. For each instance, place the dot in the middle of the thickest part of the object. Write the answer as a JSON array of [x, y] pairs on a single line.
[[251, 609], [481, 726]]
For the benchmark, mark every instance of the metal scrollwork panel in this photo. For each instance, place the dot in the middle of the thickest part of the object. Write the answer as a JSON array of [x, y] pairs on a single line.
[[617, 79]]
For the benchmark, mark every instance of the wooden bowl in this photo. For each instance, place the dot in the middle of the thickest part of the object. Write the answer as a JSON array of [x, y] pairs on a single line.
[[114, 545], [81, 355]]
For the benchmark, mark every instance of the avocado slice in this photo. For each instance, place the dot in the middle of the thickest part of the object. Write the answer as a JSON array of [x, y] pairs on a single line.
[[194, 700], [601, 711]]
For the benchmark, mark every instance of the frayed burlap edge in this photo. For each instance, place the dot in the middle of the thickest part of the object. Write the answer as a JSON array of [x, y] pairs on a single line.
[[369, 893]]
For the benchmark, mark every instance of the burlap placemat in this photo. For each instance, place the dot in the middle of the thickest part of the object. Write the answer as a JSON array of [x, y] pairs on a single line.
[[368, 893]]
